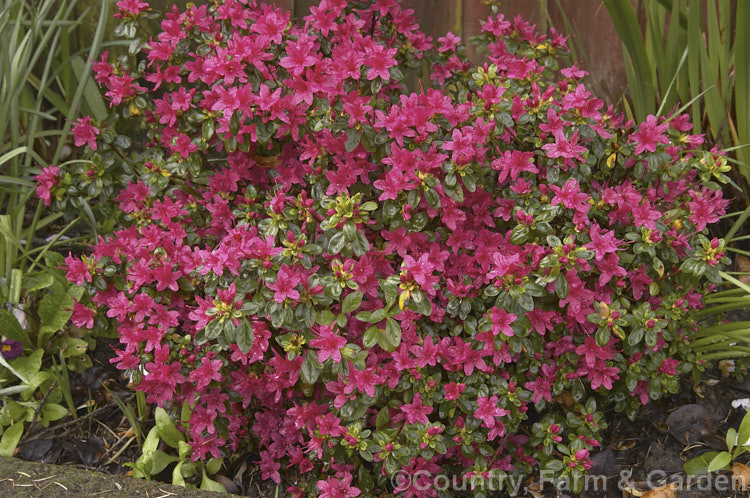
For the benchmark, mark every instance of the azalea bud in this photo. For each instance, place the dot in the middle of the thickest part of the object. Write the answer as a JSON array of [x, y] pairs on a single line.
[[434, 430], [582, 454]]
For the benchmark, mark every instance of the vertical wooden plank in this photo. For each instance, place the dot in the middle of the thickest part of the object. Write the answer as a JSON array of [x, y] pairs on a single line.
[[527, 9], [475, 12], [302, 7], [594, 30], [287, 5], [437, 17]]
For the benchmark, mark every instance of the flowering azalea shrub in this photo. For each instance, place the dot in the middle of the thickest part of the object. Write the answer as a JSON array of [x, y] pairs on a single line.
[[357, 281]]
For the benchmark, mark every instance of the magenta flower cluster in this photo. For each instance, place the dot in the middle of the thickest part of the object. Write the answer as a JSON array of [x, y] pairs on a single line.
[[351, 279]]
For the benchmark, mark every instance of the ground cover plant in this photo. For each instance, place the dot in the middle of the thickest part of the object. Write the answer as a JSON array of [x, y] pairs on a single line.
[[363, 280]]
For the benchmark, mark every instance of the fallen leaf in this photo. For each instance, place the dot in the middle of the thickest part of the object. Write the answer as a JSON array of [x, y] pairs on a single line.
[[743, 266], [534, 489], [668, 491], [565, 399], [629, 492], [726, 367], [35, 450], [740, 477], [623, 445]]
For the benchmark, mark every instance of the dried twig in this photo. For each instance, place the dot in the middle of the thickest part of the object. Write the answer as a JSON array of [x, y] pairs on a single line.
[[68, 423]]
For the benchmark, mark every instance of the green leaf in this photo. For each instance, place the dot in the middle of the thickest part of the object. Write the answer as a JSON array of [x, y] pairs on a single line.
[[743, 434], [168, 432], [553, 465], [351, 302], [370, 339], [390, 338], [214, 465], [74, 347], [350, 231], [213, 329], [372, 316], [37, 281], [151, 442], [352, 140], [636, 336], [10, 439], [432, 198], [731, 438], [177, 479], [561, 287], [602, 337], [337, 243], [12, 329], [245, 335], [184, 450], [719, 462], [519, 234], [55, 309], [383, 418], [366, 455], [420, 304], [27, 366], [325, 317], [311, 368], [211, 485], [11, 390], [51, 412], [160, 460]]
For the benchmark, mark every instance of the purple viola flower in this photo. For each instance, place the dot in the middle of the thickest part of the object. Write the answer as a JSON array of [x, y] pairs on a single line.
[[10, 349]]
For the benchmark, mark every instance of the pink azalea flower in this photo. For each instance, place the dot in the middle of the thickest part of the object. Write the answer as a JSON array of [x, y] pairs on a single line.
[[286, 281], [47, 179], [487, 411], [85, 133], [130, 7], [337, 488], [416, 412], [453, 390], [501, 321], [329, 344], [649, 134]]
